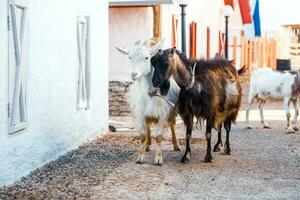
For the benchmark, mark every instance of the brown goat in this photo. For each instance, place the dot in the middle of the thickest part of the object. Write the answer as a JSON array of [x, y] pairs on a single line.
[[213, 93]]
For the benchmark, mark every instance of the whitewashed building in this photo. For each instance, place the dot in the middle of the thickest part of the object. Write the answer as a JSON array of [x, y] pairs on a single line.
[[53, 80], [130, 20]]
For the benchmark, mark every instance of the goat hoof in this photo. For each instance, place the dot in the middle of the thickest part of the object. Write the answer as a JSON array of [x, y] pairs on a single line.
[[290, 130], [267, 127], [227, 151], [295, 128], [176, 148], [140, 159], [186, 158], [217, 148], [158, 160], [147, 148], [158, 163], [208, 158], [248, 127]]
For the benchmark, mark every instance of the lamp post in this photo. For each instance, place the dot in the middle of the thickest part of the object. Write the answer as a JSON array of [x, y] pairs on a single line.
[[183, 4], [227, 11]]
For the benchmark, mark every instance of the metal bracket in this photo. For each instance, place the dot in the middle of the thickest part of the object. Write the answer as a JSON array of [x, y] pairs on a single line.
[[8, 110], [8, 23]]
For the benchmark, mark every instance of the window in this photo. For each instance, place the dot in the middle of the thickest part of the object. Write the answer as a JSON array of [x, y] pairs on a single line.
[[83, 43], [18, 61]]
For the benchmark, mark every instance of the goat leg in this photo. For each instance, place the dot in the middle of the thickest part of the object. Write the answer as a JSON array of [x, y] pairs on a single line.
[[219, 142], [227, 126], [142, 149], [289, 128], [148, 124], [188, 121], [208, 157], [261, 112], [174, 139], [158, 156], [250, 102], [295, 104]]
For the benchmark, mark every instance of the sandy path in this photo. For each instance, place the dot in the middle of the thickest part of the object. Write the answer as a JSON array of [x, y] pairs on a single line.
[[265, 164]]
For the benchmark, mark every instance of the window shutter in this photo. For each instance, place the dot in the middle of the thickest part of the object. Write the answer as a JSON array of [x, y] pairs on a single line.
[[17, 113], [83, 44]]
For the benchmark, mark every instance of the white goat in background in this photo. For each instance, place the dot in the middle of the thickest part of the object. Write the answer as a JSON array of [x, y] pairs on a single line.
[[145, 109], [266, 83]]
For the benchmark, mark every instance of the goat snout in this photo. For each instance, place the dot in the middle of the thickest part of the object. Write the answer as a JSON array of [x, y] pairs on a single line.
[[156, 83], [133, 75]]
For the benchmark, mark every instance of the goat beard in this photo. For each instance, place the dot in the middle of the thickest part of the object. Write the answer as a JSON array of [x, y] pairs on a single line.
[[161, 90]]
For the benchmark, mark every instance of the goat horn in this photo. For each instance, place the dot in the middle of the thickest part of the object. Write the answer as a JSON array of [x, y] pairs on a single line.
[[193, 69], [193, 74], [138, 42], [191, 85], [149, 42]]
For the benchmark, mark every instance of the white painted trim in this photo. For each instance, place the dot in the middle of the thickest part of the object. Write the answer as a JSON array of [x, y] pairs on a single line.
[[17, 128], [83, 43], [139, 2], [17, 105]]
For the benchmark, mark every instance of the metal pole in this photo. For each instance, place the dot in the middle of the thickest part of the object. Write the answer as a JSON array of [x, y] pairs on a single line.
[[226, 37], [183, 31]]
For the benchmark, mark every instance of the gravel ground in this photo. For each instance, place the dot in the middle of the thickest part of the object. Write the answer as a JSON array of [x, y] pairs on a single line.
[[265, 164], [73, 175]]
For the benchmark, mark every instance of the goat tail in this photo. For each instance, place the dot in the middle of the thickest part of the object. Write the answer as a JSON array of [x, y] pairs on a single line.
[[199, 123], [243, 70]]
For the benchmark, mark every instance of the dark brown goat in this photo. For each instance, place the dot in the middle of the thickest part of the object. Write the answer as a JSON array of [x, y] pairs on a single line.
[[214, 95]]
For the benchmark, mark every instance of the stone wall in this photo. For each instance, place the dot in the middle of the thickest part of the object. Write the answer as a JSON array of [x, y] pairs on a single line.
[[118, 105]]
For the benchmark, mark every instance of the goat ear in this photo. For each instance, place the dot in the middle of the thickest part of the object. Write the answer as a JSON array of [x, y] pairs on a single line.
[[122, 50], [156, 47], [232, 62], [173, 50]]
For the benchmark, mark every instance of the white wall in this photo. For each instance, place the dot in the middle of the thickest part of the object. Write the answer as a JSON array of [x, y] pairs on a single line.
[[205, 14], [54, 124], [126, 26], [137, 2], [277, 13]]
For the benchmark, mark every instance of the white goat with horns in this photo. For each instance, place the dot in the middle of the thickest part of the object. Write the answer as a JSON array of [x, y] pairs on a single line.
[[145, 108]]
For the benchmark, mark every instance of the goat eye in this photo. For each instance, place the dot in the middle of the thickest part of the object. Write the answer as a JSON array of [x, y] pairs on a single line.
[[147, 58], [129, 58]]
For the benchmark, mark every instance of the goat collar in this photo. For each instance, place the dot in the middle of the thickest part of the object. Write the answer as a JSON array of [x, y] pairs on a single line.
[[192, 83], [164, 98], [155, 94]]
